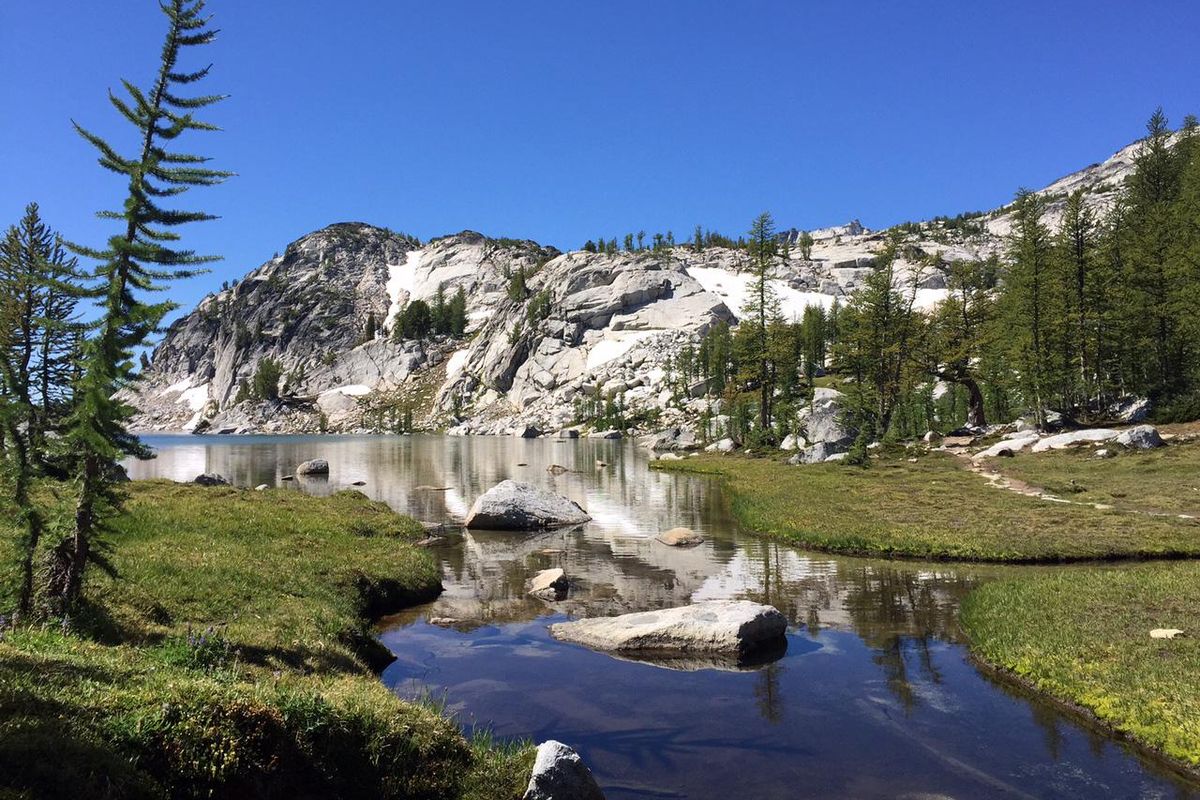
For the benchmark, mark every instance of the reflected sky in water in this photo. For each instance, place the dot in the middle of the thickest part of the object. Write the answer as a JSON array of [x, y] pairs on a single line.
[[874, 697]]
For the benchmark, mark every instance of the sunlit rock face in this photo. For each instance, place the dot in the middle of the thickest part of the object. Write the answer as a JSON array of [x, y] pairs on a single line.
[[550, 335]]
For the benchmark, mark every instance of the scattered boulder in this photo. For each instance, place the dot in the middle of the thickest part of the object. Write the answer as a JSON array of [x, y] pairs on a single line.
[[560, 774], [835, 457], [1064, 440], [549, 584], [668, 457], [610, 434], [1140, 437], [1134, 410], [676, 438], [568, 433], [557, 469], [722, 446], [429, 541], [510, 505], [262, 487], [823, 420], [1104, 452], [792, 442], [1007, 448], [316, 466], [813, 454], [211, 479], [680, 537], [527, 432], [723, 626]]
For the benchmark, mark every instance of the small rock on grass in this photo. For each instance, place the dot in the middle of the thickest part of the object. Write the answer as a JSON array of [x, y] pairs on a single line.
[[1165, 633], [211, 479]]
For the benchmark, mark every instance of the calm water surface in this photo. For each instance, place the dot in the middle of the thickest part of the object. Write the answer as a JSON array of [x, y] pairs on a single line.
[[874, 697]]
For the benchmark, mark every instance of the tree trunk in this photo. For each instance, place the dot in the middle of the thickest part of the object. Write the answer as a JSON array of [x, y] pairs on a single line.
[[976, 417]]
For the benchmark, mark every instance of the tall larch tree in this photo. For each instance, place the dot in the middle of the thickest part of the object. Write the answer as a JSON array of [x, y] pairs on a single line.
[[135, 261]]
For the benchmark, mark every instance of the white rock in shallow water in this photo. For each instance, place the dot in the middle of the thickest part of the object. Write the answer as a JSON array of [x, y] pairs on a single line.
[[560, 774], [1064, 440], [549, 583], [718, 626], [510, 505]]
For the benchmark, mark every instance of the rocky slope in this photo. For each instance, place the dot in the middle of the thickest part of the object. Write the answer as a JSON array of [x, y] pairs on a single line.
[[590, 328]]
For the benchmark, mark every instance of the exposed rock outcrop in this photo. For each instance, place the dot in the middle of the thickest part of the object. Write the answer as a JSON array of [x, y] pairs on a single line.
[[551, 337]]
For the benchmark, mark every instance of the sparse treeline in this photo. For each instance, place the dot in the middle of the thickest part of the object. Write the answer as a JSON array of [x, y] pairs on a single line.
[[59, 378], [659, 242], [1079, 313]]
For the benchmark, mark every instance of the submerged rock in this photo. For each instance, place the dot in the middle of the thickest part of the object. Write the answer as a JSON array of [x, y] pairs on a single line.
[[560, 774], [316, 466], [680, 537], [549, 584], [510, 505], [721, 626]]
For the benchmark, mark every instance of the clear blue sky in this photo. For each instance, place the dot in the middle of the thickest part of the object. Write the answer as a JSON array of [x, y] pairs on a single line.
[[561, 121]]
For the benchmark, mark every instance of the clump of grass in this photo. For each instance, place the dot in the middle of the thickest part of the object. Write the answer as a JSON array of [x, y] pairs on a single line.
[[931, 509], [229, 654], [1083, 636]]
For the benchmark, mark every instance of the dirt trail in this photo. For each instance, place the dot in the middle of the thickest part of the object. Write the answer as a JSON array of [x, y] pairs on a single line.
[[1001, 481]]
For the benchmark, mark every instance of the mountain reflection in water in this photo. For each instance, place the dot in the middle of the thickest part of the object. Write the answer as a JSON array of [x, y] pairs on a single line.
[[874, 696]]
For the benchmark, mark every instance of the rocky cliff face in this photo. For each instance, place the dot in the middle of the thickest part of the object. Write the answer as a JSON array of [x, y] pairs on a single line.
[[590, 327]]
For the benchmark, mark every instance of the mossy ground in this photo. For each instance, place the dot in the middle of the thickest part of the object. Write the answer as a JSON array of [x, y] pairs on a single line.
[[933, 509], [229, 655]]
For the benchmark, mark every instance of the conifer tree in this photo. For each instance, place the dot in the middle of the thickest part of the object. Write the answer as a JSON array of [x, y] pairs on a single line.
[[760, 309], [1029, 301], [458, 313], [135, 261], [698, 240]]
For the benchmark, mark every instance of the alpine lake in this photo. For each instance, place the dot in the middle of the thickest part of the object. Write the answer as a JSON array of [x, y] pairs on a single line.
[[875, 696]]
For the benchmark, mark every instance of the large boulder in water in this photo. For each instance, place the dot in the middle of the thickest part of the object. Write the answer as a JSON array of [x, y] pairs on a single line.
[[560, 774], [719, 626], [316, 466], [514, 506]]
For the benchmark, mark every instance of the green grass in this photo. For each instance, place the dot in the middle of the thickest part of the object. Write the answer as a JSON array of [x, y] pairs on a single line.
[[1082, 636], [1166, 480], [930, 509], [279, 700]]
